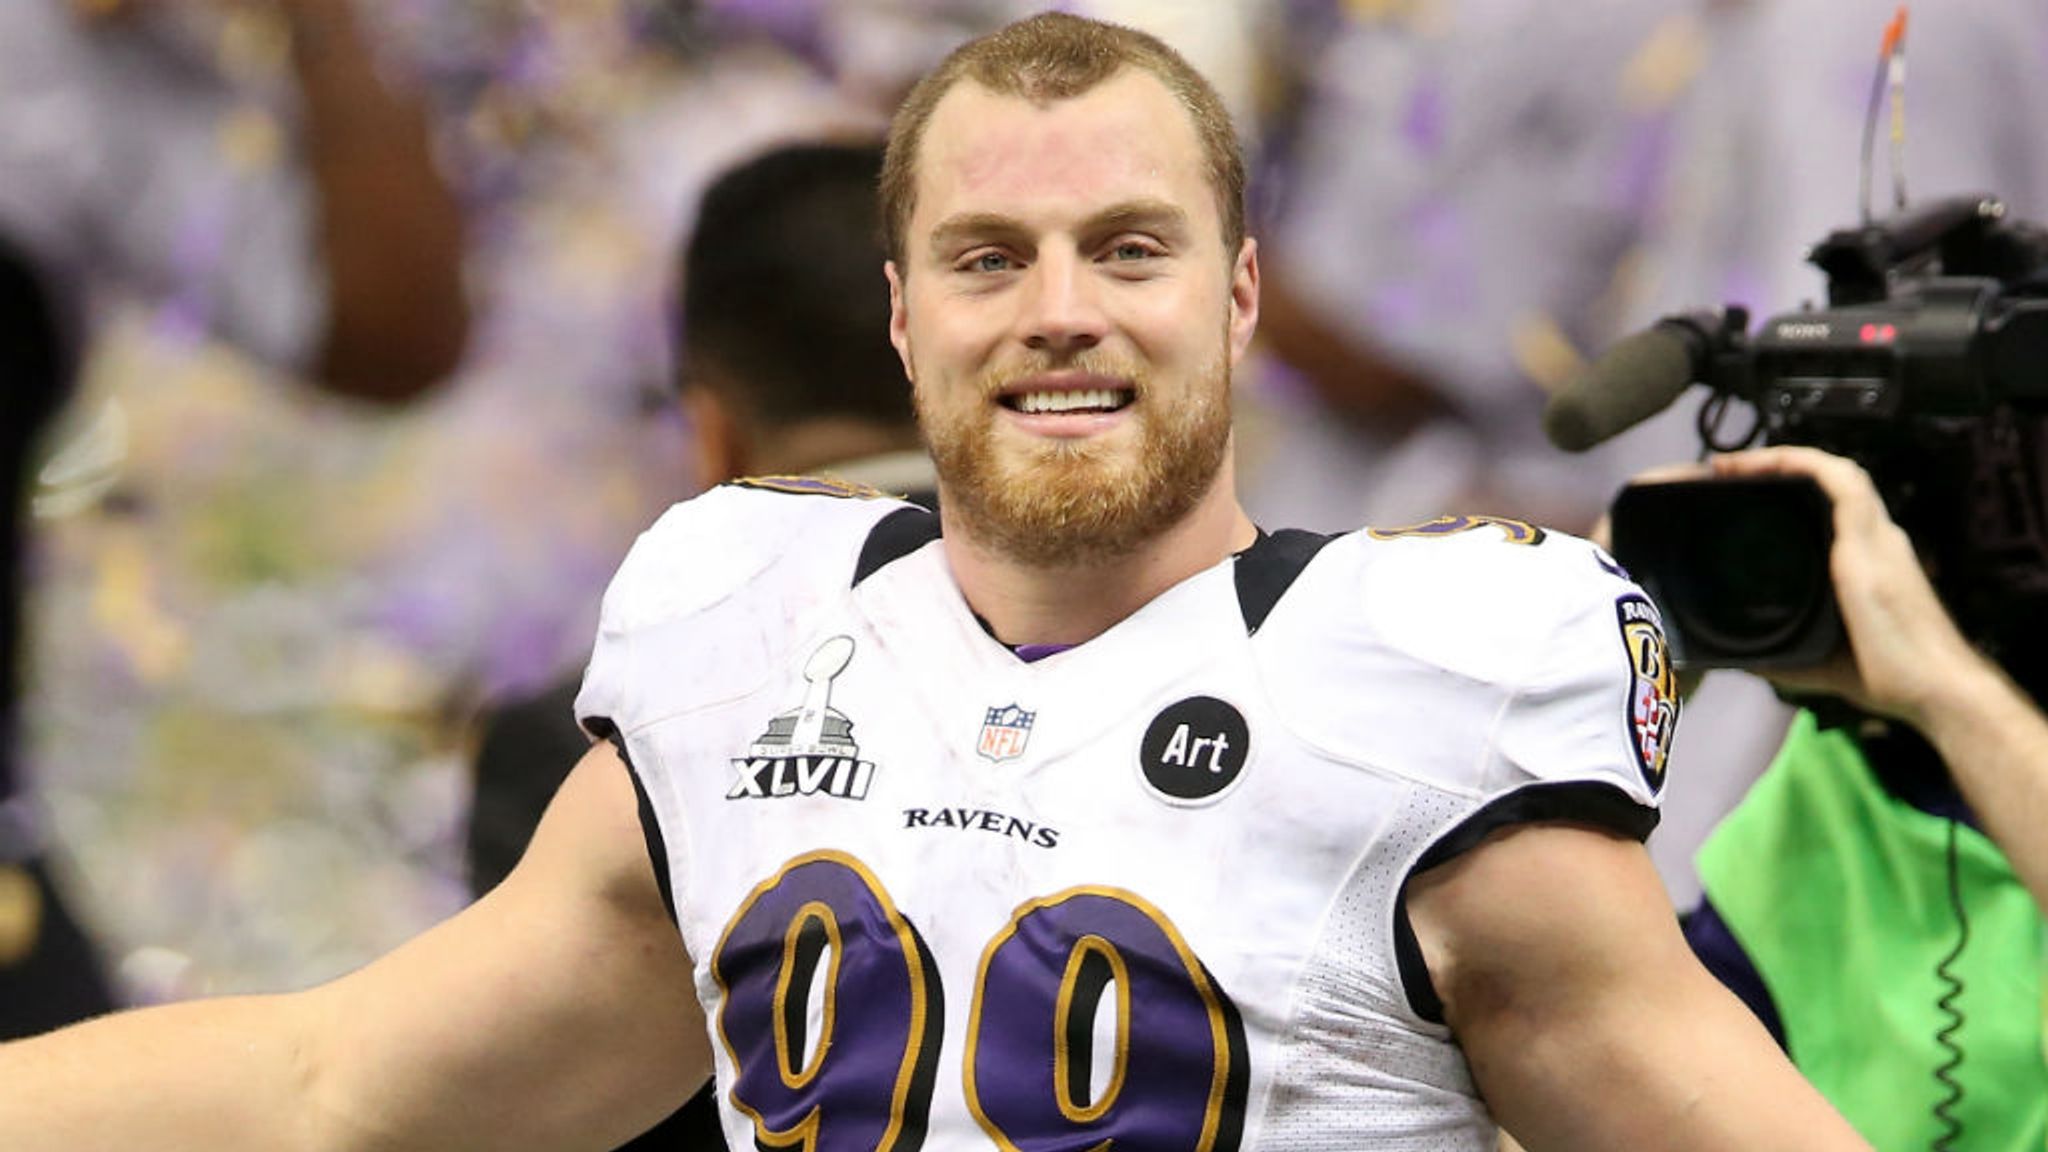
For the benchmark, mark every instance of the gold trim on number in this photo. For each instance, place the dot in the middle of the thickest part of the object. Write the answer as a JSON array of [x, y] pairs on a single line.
[[1062, 1059], [1219, 1024], [785, 1059], [804, 1132]]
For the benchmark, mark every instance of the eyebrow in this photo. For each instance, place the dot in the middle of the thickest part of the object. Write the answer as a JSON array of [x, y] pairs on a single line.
[[1146, 213], [973, 225], [1149, 214]]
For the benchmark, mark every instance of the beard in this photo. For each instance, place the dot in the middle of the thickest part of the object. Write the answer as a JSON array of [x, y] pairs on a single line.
[[1070, 503]]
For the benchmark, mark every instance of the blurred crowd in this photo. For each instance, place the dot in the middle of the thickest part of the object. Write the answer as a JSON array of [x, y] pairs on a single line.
[[262, 619]]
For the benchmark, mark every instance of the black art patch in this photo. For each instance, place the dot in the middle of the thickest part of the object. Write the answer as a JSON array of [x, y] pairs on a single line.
[[1194, 750]]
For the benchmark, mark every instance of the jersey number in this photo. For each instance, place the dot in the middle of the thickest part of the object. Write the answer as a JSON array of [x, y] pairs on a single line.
[[823, 929]]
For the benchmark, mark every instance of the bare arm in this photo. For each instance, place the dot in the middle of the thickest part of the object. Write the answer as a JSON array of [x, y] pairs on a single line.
[[1585, 1018], [389, 231], [556, 1013], [1907, 660]]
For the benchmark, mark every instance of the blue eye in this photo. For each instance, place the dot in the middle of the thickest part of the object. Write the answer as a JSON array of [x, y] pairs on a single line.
[[990, 262], [1132, 250]]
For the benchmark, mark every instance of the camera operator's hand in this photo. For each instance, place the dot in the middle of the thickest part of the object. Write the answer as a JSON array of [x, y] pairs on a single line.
[[1906, 659], [1904, 652]]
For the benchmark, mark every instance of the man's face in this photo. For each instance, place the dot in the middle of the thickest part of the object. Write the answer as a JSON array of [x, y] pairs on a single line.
[[1069, 317]]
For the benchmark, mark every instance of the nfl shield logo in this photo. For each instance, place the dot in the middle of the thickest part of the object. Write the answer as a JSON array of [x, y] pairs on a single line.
[[1004, 732]]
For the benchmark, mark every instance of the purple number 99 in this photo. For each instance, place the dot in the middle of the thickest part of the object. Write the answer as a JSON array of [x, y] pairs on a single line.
[[1094, 1026], [864, 1083], [1173, 1076]]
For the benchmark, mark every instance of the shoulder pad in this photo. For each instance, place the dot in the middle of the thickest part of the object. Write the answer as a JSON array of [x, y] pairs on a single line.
[[1522, 653], [1478, 595], [708, 594], [707, 548]]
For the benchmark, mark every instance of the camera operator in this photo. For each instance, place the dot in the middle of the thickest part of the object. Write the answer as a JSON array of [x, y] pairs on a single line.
[[1876, 897]]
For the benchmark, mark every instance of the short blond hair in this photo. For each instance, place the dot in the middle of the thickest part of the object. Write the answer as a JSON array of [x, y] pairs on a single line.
[[1057, 56]]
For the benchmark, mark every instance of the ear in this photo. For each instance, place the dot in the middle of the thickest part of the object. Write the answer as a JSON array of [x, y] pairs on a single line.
[[899, 320], [718, 441], [1244, 299]]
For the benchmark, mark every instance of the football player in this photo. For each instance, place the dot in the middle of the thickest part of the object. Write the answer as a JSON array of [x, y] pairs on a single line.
[[1083, 813]]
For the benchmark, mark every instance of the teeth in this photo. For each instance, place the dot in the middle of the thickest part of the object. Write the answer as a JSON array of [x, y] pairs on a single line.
[[1103, 398]]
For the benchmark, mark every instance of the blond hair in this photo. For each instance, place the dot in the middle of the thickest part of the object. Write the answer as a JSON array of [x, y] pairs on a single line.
[[1057, 56]]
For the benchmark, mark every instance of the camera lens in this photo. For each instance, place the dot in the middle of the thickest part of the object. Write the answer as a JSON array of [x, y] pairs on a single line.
[[1749, 582], [1738, 566]]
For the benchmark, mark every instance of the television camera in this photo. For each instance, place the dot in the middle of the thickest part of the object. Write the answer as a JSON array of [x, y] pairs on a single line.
[[1928, 366]]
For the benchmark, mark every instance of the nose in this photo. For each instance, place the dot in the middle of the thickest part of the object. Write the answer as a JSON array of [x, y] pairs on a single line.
[[1062, 311]]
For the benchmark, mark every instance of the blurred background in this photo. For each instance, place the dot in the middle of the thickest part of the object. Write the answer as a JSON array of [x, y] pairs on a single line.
[[261, 616]]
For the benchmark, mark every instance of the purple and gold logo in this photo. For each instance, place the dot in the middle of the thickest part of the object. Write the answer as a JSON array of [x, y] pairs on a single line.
[[1652, 687]]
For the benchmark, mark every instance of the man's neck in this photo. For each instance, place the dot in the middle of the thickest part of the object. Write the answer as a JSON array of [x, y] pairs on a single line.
[[1028, 604]]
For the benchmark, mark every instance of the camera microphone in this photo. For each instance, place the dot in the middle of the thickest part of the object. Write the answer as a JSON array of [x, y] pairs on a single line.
[[1634, 380]]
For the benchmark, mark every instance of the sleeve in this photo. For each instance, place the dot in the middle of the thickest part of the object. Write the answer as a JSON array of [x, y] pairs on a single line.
[[706, 597], [1583, 733], [704, 607], [1601, 703], [646, 651], [654, 652], [1587, 699]]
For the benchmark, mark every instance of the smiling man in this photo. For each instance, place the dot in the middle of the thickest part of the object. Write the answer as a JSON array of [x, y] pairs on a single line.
[[1069, 294], [1088, 815]]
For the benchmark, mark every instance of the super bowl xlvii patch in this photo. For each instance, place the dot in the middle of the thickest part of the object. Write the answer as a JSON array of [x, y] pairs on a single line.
[[808, 750], [1652, 686]]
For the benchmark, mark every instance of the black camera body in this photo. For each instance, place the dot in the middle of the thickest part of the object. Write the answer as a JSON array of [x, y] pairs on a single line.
[[1930, 368]]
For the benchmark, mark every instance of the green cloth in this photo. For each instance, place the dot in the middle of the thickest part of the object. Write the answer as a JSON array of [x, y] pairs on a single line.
[[1839, 893]]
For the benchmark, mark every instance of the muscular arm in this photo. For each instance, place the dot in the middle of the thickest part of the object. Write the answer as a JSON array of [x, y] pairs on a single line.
[[1586, 1020], [556, 1013], [1906, 659], [389, 232]]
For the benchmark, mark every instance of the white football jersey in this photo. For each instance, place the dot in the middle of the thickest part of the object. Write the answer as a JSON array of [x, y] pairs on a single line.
[[1145, 890]]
